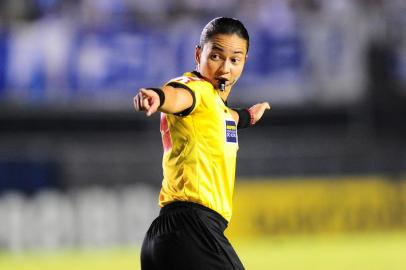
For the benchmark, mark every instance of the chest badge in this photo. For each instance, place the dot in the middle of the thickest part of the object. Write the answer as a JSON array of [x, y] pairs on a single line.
[[231, 131]]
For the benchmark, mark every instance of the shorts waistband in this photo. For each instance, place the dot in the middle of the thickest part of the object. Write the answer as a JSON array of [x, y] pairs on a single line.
[[178, 205]]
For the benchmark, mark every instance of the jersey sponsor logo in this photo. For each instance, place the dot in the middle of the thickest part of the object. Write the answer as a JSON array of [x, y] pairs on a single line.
[[231, 131]]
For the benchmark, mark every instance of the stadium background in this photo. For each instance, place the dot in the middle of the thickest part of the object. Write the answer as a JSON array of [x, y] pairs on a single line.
[[321, 180]]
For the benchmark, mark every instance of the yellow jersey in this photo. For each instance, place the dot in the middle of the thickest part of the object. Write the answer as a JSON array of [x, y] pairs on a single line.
[[200, 149]]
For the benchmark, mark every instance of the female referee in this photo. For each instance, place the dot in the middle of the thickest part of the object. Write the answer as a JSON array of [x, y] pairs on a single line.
[[200, 143]]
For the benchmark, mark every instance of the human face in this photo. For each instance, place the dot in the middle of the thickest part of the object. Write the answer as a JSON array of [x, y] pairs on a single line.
[[222, 58]]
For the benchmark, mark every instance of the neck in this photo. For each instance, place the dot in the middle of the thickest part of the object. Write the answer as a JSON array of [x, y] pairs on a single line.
[[224, 94]]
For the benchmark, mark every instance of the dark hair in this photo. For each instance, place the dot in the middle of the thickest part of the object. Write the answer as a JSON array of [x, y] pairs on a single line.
[[224, 25]]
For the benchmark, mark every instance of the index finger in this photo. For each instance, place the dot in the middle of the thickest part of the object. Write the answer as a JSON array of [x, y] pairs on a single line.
[[267, 106], [145, 92]]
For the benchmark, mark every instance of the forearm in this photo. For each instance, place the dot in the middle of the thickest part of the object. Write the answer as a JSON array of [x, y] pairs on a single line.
[[248, 117], [244, 116]]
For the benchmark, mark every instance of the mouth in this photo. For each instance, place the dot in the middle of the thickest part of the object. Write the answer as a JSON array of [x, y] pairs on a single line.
[[221, 79], [222, 82]]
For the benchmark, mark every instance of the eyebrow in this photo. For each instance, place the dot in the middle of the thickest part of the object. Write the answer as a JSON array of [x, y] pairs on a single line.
[[218, 48]]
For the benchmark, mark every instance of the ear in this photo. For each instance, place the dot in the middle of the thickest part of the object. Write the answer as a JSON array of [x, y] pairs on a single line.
[[198, 52]]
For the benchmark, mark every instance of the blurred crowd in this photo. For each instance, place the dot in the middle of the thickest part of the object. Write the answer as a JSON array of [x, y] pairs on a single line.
[[316, 51], [136, 12]]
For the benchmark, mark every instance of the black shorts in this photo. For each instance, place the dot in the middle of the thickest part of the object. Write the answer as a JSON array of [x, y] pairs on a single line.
[[188, 236]]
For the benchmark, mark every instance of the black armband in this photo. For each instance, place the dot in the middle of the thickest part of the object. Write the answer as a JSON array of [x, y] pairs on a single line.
[[161, 95], [245, 118]]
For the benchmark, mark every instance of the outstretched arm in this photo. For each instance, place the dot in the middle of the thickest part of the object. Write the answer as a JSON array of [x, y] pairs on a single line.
[[168, 100], [248, 117]]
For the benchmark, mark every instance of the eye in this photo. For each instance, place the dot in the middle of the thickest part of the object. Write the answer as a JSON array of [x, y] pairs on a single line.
[[235, 60], [215, 56]]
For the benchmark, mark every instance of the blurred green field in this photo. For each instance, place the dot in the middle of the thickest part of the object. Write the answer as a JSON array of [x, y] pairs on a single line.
[[378, 251]]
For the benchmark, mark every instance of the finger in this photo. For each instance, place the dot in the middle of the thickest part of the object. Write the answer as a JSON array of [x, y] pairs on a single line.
[[144, 100], [153, 108], [135, 103], [267, 106], [145, 92], [140, 101], [145, 103]]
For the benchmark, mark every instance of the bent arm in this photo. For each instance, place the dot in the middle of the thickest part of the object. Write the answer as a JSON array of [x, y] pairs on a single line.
[[248, 117]]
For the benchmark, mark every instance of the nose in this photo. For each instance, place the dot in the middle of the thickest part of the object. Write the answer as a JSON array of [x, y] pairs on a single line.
[[226, 66]]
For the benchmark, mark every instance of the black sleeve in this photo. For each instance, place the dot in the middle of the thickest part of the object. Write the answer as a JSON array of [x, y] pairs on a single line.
[[187, 111], [244, 118]]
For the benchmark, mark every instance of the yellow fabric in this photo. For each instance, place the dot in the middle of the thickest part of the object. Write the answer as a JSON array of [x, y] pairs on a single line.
[[200, 151]]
